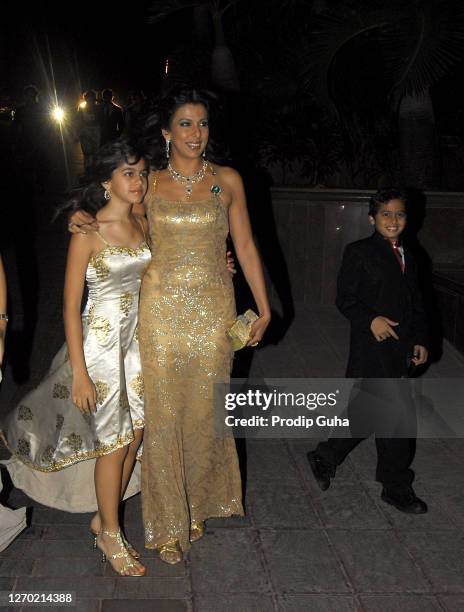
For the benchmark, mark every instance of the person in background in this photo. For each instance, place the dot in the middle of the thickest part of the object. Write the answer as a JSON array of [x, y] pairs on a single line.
[[88, 126], [111, 118]]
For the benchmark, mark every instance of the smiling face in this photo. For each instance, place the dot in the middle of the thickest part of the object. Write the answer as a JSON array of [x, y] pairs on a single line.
[[128, 182], [188, 131], [390, 219]]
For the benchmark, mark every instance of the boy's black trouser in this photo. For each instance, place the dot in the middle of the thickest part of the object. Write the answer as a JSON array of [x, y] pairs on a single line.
[[394, 456], [383, 407]]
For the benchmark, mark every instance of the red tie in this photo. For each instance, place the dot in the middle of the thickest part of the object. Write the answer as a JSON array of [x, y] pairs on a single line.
[[398, 255]]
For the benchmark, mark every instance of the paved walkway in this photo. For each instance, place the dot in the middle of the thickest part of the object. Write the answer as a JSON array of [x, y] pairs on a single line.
[[297, 549]]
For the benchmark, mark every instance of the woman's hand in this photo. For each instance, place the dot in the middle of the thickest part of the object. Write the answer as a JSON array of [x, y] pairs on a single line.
[[230, 262], [83, 393], [258, 328], [81, 222]]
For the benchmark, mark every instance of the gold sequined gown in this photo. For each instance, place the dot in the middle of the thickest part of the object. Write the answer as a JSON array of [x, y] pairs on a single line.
[[54, 446], [186, 306]]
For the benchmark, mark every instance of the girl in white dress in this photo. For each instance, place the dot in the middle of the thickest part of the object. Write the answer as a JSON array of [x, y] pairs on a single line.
[[87, 414]]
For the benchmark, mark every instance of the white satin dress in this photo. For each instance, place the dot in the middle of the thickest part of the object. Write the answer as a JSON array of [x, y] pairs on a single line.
[[54, 446]]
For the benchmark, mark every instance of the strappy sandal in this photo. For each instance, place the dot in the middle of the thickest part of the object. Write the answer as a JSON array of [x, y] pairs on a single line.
[[197, 531], [122, 554], [170, 552], [130, 549]]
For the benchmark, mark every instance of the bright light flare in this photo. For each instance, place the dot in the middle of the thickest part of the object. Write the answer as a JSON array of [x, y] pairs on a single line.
[[58, 114], [82, 104]]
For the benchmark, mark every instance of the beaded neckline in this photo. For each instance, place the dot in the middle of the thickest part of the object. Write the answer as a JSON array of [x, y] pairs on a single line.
[[120, 249]]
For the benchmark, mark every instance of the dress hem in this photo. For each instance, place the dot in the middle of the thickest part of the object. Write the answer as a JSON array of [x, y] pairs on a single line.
[[73, 459]]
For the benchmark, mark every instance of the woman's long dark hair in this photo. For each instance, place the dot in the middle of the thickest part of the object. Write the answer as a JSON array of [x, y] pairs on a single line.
[[89, 195], [151, 140]]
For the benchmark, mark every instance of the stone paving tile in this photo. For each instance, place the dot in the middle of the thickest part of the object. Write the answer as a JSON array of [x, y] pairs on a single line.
[[433, 464], [451, 499], [405, 603], [231, 522], [147, 587], [302, 562], [281, 505], [81, 605], [452, 603], [437, 518], [61, 567], [440, 555], [150, 605], [96, 588], [347, 505], [16, 567], [369, 557], [228, 602], [318, 603], [270, 462], [60, 548], [16, 549], [228, 561]]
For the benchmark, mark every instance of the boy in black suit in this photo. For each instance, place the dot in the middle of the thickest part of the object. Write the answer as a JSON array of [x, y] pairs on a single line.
[[378, 292]]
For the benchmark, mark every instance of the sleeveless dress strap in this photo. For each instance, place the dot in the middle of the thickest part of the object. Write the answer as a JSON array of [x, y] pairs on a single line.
[[102, 239]]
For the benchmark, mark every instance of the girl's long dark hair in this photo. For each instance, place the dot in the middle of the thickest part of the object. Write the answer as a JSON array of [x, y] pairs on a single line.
[[89, 195], [151, 140]]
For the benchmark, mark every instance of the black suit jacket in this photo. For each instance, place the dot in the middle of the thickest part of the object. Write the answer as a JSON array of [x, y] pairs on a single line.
[[370, 284]]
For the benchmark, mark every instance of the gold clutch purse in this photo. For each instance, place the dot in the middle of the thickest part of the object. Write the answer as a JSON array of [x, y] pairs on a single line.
[[239, 333]]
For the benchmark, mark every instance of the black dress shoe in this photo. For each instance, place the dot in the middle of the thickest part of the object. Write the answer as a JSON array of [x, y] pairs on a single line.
[[322, 470], [404, 500]]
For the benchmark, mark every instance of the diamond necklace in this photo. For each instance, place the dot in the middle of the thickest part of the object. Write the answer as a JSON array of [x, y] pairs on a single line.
[[188, 181]]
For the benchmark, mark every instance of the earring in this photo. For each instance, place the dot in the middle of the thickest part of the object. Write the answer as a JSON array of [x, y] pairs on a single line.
[[204, 154], [107, 194], [168, 148]]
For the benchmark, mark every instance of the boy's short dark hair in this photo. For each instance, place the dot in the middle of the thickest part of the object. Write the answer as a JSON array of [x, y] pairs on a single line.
[[383, 196]]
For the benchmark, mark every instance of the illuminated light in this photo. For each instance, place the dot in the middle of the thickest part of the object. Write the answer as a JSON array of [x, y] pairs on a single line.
[[166, 67], [342, 207], [58, 114], [338, 228], [82, 104]]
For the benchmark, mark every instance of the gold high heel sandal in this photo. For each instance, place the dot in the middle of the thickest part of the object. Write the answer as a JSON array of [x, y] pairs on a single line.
[[130, 549], [122, 554], [170, 552], [197, 531]]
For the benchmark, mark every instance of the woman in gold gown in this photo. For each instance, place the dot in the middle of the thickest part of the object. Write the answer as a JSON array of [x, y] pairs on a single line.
[[189, 472]]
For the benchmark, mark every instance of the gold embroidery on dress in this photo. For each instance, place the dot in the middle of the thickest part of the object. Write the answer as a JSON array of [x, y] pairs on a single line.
[[24, 413], [24, 448], [103, 449], [100, 326], [59, 421], [124, 400], [47, 455], [102, 389], [136, 334], [136, 385], [138, 423], [75, 442], [125, 302], [99, 264], [60, 391]]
